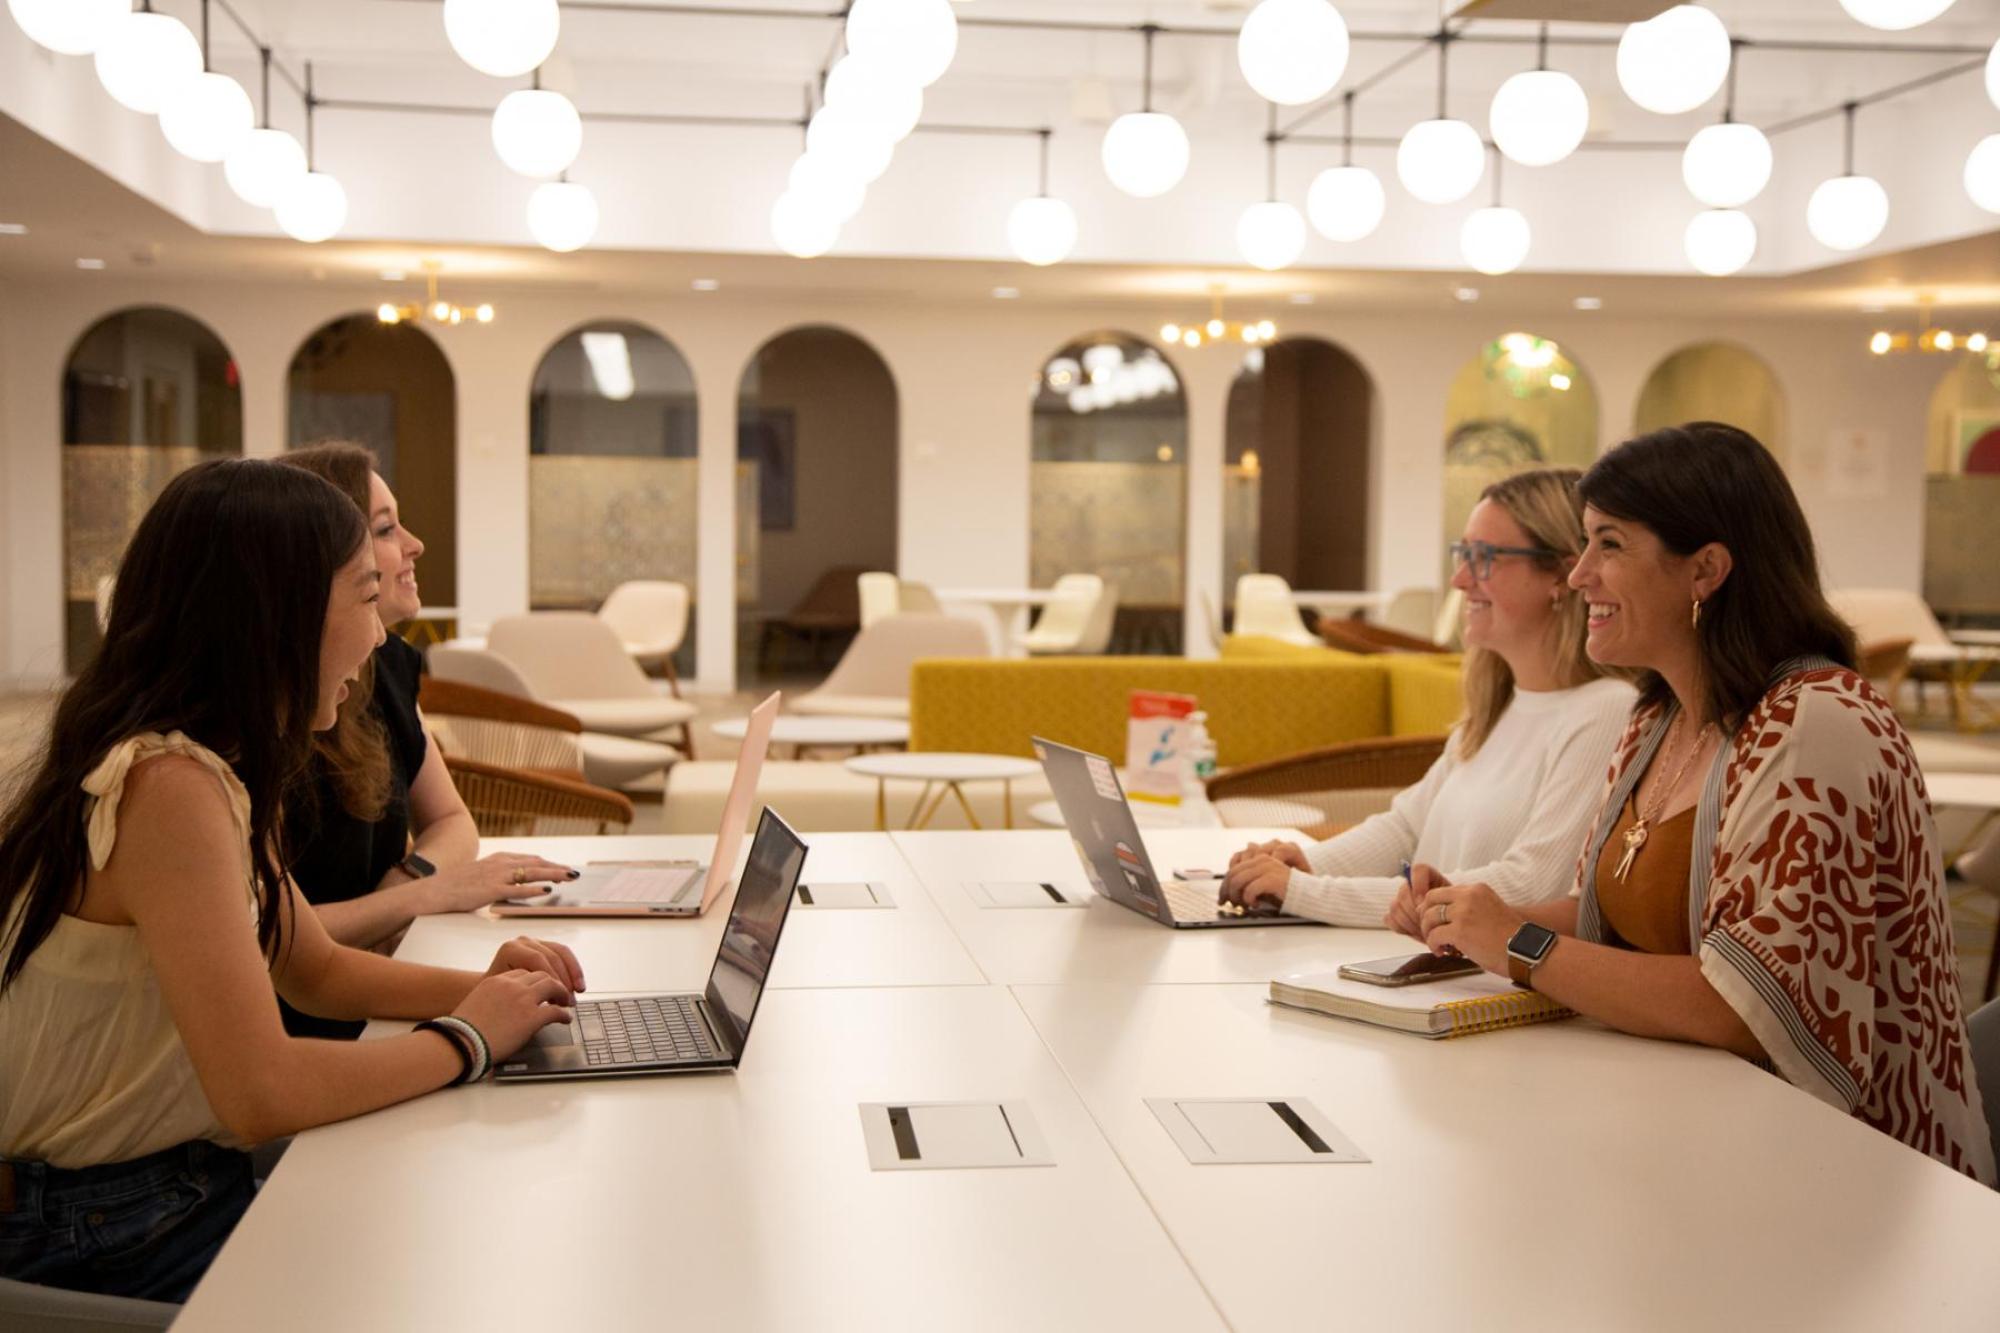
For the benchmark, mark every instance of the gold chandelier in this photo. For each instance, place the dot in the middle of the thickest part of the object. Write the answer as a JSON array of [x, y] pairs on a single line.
[[1216, 329], [1929, 339], [432, 307]]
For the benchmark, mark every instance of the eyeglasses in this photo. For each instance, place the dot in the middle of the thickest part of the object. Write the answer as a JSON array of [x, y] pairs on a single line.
[[1479, 556]]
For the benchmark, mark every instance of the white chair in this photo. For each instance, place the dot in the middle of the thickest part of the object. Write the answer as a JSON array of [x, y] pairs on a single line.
[[880, 597], [1077, 619], [1264, 607], [1412, 611], [1448, 630], [917, 598], [608, 761], [873, 675], [650, 617], [1959, 663], [572, 660]]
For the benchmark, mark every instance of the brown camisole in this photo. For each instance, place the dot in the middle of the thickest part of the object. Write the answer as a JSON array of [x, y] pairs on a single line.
[[1647, 910]]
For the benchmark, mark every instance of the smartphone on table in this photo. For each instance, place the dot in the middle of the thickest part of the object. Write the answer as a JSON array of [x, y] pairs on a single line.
[[1413, 970]]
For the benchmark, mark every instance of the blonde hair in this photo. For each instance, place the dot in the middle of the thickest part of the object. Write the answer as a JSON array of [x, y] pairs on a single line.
[[1545, 503]]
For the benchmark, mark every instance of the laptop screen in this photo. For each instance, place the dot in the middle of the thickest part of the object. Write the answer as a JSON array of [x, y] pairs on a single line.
[[1101, 827], [750, 940]]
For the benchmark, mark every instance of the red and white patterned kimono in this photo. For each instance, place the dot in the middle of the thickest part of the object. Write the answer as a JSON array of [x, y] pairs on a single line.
[[1816, 891]]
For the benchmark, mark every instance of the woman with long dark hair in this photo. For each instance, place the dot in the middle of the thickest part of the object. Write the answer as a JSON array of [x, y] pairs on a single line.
[[147, 913], [1764, 874]]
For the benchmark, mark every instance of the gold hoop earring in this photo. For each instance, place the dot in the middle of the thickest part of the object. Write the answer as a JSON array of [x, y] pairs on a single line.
[[1694, 617]]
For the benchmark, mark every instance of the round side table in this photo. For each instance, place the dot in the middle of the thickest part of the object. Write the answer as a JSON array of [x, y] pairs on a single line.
[[946, 773], [814, 733]]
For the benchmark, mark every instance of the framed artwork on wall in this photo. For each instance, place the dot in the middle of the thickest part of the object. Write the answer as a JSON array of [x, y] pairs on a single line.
[[1975, 440]]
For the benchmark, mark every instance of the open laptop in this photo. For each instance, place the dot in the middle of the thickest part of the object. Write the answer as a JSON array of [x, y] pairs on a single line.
[[675, 888], [1106, 838], [666, 1034]]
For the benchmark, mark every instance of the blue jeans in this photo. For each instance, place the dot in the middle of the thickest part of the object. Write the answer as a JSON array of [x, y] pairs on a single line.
[[146, 1228]]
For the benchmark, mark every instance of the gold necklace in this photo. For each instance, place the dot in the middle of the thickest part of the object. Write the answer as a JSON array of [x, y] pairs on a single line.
[[1635, 837]]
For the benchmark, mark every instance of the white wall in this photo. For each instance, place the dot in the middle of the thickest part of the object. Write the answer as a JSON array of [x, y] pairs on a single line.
[[964, 372]]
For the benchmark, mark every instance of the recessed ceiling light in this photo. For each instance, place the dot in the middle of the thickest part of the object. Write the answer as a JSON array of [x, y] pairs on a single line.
[[705, 284], [1467, 294], [1006, 293], [392, 275], [1302, 298], [90, 263], [13, 229], [1588, 303]]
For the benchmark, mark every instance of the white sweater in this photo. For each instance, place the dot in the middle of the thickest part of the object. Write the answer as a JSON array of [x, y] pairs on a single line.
[[1514, 816]]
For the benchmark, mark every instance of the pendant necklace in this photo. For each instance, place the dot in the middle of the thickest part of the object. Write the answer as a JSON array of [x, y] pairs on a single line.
[[1635, 837]]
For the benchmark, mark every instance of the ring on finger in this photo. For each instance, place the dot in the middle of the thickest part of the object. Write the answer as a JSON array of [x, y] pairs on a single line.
[[1444, 913]]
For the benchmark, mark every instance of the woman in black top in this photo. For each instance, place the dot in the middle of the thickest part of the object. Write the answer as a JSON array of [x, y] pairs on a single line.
[[382, 835]]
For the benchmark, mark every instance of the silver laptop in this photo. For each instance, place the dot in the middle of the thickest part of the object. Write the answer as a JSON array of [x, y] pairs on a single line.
[[1106, 838], [670, 1034], [665, 888]]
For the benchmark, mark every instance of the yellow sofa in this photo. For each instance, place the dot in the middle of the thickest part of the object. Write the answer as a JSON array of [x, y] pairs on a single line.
[[1259, 706]]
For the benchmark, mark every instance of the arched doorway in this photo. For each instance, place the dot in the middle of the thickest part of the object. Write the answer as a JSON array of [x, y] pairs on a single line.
[[389, 388], [1296, 467], [146, 393], [1523, 402], [1962, 492], [817, 427], [1108, 481], [1714, 381], [611, 467]]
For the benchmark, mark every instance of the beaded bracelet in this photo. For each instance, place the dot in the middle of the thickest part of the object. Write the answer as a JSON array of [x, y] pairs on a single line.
[[458, 1043], [475, 1039]]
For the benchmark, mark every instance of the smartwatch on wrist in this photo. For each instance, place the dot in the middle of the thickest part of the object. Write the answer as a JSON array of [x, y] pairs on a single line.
[[1526, 949], [416, 867]]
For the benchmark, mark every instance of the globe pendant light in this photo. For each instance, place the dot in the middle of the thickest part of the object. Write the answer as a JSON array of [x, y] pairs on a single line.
[[916, 37], [1494, 240], [537, 132], [1440, 161], [1675, 62], [562, 215], [504, 38], [207, 116], [1540, 115], [838, 194], [801, 227], [1982, 173], [1345, 203], [1145, 152], [879, 91], [1894, 15], [69, 27], [263, 165], [848, 143], [1727, 165], [1848, 211], [143, 57], [1042, 230], [1993, 75], [1720, 241], [312, 208], [1292, 51], [1271, 234]]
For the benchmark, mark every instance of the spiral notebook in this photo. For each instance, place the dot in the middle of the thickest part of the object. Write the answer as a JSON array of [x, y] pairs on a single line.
[[1455, 1007]]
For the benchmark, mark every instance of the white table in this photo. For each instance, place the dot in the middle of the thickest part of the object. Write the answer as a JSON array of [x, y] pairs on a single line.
[[1008, 609], [1552, 1177], [1102, 941], [723, 1201], [946, 772], [804, 733], [909, 945]]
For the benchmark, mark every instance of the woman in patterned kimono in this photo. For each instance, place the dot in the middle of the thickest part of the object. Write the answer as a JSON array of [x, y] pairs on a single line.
[[1763, 875]]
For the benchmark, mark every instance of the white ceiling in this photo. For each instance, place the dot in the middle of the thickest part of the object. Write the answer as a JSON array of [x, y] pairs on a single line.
[[434, 181]]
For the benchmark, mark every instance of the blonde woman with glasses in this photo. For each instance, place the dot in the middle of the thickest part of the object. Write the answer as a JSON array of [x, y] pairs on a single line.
[[1510, 800]]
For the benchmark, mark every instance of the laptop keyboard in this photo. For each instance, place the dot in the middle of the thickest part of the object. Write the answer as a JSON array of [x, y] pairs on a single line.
[[645, 885], [643, 1031], [1190, 903]]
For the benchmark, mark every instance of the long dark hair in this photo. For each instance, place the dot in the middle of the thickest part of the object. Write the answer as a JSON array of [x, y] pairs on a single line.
[[355, 753], [215, 632], [1707, 482]]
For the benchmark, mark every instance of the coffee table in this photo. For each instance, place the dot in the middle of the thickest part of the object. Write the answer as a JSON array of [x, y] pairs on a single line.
[[859, 734], [946, 772]]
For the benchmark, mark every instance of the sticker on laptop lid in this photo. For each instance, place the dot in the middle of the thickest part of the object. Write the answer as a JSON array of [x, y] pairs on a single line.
[[1102, 778]]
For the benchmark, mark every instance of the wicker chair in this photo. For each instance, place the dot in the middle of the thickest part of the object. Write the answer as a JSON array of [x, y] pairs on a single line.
[[494, 728], [1887, 662], [1358, 636], [1343, 783], [518, 803]]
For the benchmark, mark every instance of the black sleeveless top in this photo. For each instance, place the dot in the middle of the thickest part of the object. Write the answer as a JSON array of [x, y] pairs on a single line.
[[338, 857]]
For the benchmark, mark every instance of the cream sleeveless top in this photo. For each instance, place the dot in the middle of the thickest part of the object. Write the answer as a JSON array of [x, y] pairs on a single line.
[[92, 1069]]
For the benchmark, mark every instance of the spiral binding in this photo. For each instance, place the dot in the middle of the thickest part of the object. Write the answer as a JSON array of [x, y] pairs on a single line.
[[1490, 1013]]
